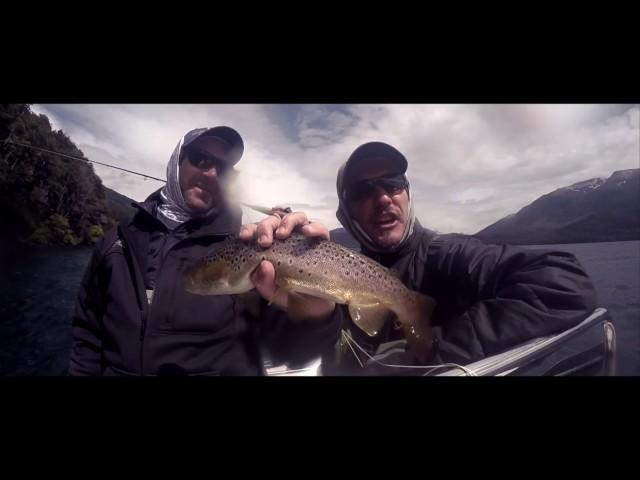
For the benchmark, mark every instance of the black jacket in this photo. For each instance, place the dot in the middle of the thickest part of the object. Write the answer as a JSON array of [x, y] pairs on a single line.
[[118, 330], [489, 297]]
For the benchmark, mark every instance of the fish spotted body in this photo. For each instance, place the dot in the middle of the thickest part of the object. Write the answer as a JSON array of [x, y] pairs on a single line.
[[322, 269]]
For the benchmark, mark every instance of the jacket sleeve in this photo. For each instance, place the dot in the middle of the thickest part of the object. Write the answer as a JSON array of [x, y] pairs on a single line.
[[86, 349], [298, 342], [513, 294]]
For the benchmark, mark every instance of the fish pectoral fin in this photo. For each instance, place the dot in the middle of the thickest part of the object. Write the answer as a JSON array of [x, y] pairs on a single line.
[[370, 318], [280, 294], [284, 287], [296, 306]]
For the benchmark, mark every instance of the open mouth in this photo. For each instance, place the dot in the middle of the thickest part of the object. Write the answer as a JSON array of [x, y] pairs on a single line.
[[386, 221], [202, 191]]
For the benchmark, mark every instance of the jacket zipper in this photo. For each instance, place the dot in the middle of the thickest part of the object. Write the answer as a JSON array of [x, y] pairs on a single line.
[[143, 327], [143, 316], [141, 297]]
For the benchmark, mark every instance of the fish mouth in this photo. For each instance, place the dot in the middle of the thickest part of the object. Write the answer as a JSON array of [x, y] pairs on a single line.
[[192, 285], [203, 288]]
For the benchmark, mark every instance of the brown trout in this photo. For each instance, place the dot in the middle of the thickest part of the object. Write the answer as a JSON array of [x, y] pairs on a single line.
[[322, 269]]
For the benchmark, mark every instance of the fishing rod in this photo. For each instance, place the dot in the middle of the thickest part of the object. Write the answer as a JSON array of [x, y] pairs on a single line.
[[258, 208], [74, 157]]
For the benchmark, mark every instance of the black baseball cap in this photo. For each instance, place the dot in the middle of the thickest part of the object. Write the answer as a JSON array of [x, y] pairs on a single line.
[[379, 152], [228, 135]]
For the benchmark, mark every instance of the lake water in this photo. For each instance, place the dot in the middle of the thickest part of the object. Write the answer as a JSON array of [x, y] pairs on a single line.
[[614, 268], [38, 288]]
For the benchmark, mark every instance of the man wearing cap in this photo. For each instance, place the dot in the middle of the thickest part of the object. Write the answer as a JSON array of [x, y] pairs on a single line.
[[133, 315], [488, 298]]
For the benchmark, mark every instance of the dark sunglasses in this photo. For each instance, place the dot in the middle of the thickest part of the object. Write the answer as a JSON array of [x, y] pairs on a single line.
[[204, 160], [391, 185]]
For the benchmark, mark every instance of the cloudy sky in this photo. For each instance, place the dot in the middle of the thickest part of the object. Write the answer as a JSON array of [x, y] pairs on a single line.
[[470, 165]]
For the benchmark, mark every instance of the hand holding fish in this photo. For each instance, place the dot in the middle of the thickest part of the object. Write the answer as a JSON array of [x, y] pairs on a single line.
[[281, 226], [291, 270]]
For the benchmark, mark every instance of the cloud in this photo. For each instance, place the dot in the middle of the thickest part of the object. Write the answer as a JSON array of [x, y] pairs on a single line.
[[469, 165]]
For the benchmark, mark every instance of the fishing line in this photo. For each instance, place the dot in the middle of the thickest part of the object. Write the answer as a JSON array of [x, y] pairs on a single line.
[[266, 210], [83, 159], [350, 340]]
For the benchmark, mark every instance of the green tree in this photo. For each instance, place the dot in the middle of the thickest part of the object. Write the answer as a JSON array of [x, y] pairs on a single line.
[[47, 198]]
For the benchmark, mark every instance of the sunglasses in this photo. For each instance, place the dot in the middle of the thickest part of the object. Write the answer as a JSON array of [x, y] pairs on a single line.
[[205, 161], [391, 185]]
